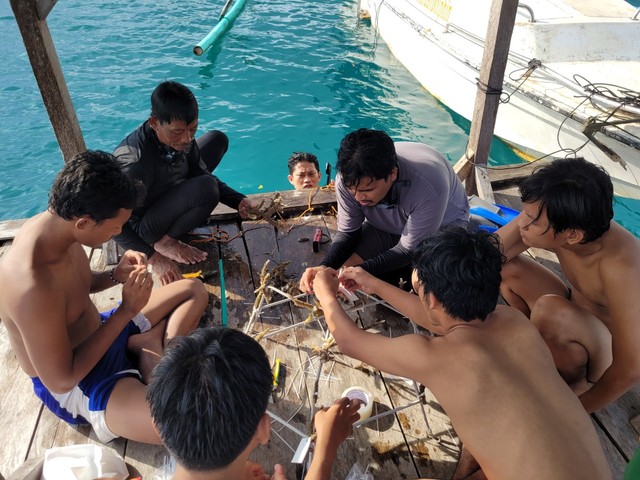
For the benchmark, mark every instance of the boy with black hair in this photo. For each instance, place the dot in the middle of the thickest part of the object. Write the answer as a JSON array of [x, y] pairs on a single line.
[[488, 366], [175, 169], [209, 397], [304, 170], [390, 196], [79, 359], [592, 328]]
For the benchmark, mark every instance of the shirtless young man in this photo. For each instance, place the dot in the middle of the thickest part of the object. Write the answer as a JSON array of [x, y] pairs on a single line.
[[488, 367], [77, 358], [593, 330]]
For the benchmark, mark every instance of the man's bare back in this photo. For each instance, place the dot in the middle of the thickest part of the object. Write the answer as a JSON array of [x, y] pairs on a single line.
[[507, 404], [65, 275]]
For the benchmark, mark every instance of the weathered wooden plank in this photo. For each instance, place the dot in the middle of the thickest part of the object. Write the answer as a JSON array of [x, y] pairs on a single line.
[[239, 285], [290, 401], [616, 461], [260, 238], [19, 409], [296, 245], [502, 177], [9, 228], [616, 418], [293, 202], [379, 445]]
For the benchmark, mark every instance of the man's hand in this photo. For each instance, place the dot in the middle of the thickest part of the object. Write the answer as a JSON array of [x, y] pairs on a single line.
[[278, 473], [357, 278], [128, 263], [325, 284], [164, 268], [244, 206], [136, 290], [253, 471], [334, 424], [306, 281]]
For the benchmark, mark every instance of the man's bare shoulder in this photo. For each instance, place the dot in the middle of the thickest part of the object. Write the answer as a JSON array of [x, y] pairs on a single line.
[[621, 245]]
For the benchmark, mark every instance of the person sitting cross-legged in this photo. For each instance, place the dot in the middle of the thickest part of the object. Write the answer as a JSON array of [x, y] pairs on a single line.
[[175, 169]]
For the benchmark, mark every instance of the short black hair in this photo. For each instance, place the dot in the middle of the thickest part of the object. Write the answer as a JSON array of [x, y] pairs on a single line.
[[92, 183], [297, 157], [172, 101], [576, 195], [208, 394], [366, 153], [462, 269]]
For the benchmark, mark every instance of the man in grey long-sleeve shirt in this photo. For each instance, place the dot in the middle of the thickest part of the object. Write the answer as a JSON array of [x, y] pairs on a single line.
[[390, 197]]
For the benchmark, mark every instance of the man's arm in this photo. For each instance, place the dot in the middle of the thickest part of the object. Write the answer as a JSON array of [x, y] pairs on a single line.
[[510, 238], [342, 247], [383, 353], [228, 195], [333, 426], [620, 279], [393, 259], [42, 322], [407, 303]]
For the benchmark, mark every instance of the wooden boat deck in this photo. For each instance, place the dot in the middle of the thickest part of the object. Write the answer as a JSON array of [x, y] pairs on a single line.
[[399, 445]]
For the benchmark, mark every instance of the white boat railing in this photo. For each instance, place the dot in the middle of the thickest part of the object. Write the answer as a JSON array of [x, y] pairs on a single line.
[[529, 11]]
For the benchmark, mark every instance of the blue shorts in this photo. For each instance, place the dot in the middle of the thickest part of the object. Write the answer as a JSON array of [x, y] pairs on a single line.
[[87, 402]]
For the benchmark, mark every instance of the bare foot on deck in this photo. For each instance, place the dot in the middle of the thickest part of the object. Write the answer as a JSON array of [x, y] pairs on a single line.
[[179, 251], [148, 347]]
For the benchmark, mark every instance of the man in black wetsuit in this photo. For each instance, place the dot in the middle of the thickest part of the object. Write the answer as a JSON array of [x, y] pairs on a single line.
[[176, 171]]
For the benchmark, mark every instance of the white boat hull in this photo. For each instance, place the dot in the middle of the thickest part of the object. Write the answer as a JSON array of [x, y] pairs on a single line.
[[537, 119]]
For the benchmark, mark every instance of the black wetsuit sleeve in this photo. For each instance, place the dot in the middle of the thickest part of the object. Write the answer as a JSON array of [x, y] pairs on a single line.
[[343, 245], [228, 195], [393, 259], [130, 240]]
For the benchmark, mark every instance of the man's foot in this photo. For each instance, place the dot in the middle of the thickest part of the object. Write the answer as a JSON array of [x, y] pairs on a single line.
[[148, 347], [178, 251]]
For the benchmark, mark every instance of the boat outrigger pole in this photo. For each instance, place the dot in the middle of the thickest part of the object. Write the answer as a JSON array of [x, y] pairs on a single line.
[[227, 16]]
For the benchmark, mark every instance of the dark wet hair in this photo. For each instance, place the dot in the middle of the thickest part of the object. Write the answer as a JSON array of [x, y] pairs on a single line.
[[172, 101], [576, 195], [365, 153], [93, 184], [208, 394], [462, 270], [297, 157]]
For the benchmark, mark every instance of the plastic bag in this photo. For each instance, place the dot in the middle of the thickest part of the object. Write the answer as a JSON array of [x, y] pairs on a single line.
[[83, 462], [358, 473]]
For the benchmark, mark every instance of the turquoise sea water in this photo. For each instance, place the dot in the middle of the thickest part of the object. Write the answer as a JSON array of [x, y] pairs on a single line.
[[289, 75]]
